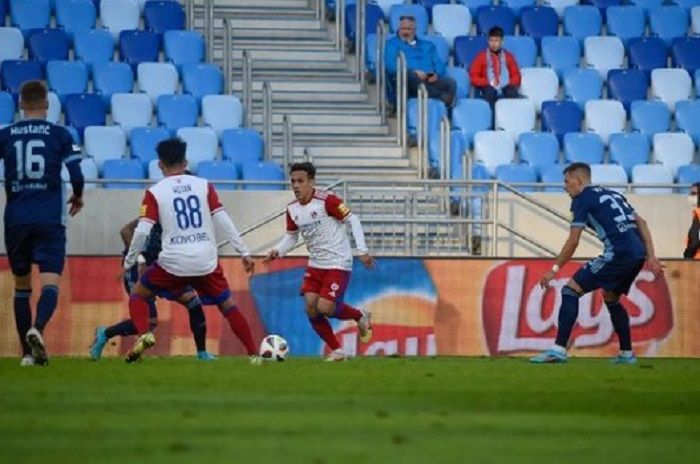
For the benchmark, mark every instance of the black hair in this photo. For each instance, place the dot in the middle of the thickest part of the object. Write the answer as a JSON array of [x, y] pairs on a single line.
[[171, 152], [578, 166], [34, 94], [496, 31], [306, 166]]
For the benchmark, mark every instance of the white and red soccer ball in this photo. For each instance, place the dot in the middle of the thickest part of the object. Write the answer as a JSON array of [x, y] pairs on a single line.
[[274, 348]]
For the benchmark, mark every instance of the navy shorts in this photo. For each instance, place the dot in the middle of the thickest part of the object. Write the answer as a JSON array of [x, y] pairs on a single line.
[[40, 244], [131, 276], [615, 275]]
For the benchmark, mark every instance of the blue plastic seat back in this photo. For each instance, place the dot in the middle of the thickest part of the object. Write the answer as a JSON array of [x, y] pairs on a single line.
[[461, 78], [144, 141], [685, 53], [15, 72], [583, 147], [177, 111], [517, 173], [491, 16], [647, 54], [242, 145], [183, 47], [137, 47], [629, 150], [373, 15], [627, 85], [668, 22], [30, 14], [48, 45], [75, 15], [539, 22], [94, 46], [202, 79], [581, 21], [262, 170], [689, 174], [523, 48], [650, 117], [582, 85], [122, 169], [626, 22], [7, 108], [561, 117], [471, 115], [474, 5], [538, 149], [553, 174], [83, 110], [561, 54], [161, 16], [441, 47], [217, 170], [466, 49], [66, 77], [688, 118], [112, 77]]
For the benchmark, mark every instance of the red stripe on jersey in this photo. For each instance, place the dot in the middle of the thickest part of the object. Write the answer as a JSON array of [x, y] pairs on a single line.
[[149, 207], [213, 198], [336, 208], [291, 225]]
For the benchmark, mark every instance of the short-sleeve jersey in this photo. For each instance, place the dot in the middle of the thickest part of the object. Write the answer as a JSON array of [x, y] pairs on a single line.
[[613, 219], [321, 223], [34, 151], [183, 205]]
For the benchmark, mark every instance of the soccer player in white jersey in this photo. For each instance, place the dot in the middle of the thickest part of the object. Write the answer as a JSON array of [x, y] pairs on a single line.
[[321, 219], [187, 208]]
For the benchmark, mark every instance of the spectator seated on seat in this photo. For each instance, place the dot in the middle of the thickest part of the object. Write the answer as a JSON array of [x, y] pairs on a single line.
[[494, 72]]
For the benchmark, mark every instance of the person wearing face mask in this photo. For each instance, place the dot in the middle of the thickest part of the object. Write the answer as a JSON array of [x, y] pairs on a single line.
[[494, 72], [692, 248]]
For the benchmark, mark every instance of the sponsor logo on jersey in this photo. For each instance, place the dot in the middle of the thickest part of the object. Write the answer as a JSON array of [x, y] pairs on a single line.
[[343, 210], [189, 238]]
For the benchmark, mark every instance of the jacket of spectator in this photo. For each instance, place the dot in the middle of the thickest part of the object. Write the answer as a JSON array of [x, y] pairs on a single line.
[[421, 55], [479, 74]]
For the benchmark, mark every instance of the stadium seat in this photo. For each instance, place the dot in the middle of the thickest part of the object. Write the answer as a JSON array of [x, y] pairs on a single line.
[[647, 54], [130, 110], [30, 14], [217, 170], [104, 143], [697, 79], [493, 148], [688, 118], [608, 174], [451, 21], [673, 149], [561, 117], [396, 11], [538, 85], [652, 174], [517, 6], [156, 79], [602, 5], [15, 72], [581, 21], [7, 109], [627, 85], [83, 110], [11, 44], [177, 111], [695, 20], [436, 111], [3, 13], [685, 54], [469, 116], [183, 47], [441, 46], [122, 169], [89, 169], [66, 77], [668, 22], [523, 48], [561, 54], [466, 49], [538, 22], [517, 173], [144, 141], [202, 144], [538, 149], [222, 112], [112, 77], [553, 174], [670, 86], [474, 5], [650, 117], [647, 5], [154, 172], [53, 114], [603, 54], [582, 85], [75, 16], [490, 16], [48, 45], [386, 5], [137, 47], [119, 15], [461, 78], [202, 79], [515, 116], [559, 6], [626, 22], [689, 174], [161, 16], [242, 145], [629, 150], [605, 117], [94, 46], [583, 147], [373, 15], [265, 171], [687, 4]]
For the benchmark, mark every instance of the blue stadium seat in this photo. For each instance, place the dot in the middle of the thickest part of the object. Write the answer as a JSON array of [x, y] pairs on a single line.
[[94, 46], [517, 6], [3, 13], [30, 14], [561, 117], [183, 47], [202, 144], [559, 6], [265, 171], [7, 108], [604, 53], [217, 170], [647, 5], [688, 118], [626, 86], [471, 115], [84, 109], [670, 85], [515, 116], [687, 4], [605, 117], [373, 15], [523, 48], [490, 16], [539, 22], [66, 77], [48, 45], [466, 49], [451, 21], [608, 175], [553, 174], [493, 148], [538, 149], [15, 72], [474, 5], [695, 20], [176, 111], [156, 79], [668, 22], [112, 77], [119, 15], [53, 115], [75, 15], [154, 171], [371, 52], [673, 150], [602, 5], [136, 47], [538, 85], [652, 174], [161, 16], [582, 21], [689, 174], [104, 143], [626, 22], [561, 54], [650, 117], [583, 147], [697, 79], [202, 79], [441, 46], [122, 169], [517, 173], [242, 145], [144, 141], [417, 11], [11, 44], [647, 54], [436, 111], [685, 53], [90, 172], [461, 79], [386, 5], [629, 150]]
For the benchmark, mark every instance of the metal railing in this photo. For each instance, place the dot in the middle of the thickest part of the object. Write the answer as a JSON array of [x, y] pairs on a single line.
[[401, 100], [360, 16], [247, 71], [422, 132], [228, 57], [209, 28], [380, 71], [445, 148], [340, 25], [288, 150], [189, 14], [267, 119]]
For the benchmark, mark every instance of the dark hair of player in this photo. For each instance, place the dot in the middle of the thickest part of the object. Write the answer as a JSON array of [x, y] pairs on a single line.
[[171, 152], [306, 166], [496, 32], [33, 95], [573, 167]]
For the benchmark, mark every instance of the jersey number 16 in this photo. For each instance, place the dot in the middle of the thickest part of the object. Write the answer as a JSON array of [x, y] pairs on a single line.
[[28, 161]]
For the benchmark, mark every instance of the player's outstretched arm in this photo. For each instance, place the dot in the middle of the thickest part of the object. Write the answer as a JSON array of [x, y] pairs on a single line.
[[224, 223], [143, 229], [288, 242], [655, 265], [127, 232], [78, 183], [359, 236], [567, 251]]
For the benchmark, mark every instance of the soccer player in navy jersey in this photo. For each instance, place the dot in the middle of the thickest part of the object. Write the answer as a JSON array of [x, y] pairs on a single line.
[[35, 214], [628, 244]]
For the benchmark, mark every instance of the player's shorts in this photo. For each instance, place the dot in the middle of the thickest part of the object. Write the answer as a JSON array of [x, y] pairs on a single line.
[[41, 244], [212, 288], [616, 275], [131, 276], [329, 284]]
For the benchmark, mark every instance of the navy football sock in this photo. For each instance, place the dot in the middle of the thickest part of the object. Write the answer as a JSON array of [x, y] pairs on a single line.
[[23, 318], [621, 322], [568, 312], [198, 324], [46, 306], [123, 329]]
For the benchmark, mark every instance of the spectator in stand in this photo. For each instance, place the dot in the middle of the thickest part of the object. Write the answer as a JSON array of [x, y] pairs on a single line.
[[692, 248], [494, 72]]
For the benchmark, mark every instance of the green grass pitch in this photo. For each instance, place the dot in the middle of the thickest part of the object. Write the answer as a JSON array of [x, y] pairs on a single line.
[[369, 410]]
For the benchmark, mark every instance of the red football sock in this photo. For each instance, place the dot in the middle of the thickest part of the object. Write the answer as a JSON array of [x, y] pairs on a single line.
[[325, 331], [138, 310], [240, 327], [346, 312]]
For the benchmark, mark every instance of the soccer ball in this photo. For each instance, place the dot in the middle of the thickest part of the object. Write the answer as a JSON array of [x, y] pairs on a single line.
[[274, 348]]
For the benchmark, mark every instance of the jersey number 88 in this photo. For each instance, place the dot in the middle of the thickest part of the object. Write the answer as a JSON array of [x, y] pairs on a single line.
[[188, 212]]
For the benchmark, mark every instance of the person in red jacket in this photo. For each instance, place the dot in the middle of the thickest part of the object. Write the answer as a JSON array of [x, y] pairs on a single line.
[[494, 72]]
